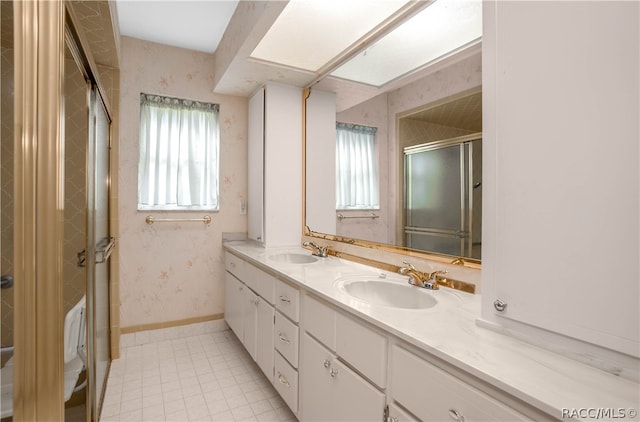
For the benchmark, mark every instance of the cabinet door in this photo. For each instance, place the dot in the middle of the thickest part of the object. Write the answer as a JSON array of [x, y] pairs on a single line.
[[581, 223], [256, 166], [234, 304], [264, 345], [331, 391], [250, 321], [317, 395], [357, 399]]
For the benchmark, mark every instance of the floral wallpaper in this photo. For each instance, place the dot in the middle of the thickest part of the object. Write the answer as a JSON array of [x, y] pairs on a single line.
[[174, 271]]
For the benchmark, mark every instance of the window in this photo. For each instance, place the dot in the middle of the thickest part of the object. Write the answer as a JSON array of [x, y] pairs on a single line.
[[356, 173], [179, 154]]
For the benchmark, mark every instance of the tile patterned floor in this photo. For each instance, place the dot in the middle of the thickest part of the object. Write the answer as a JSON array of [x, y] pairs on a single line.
[[207, 377]]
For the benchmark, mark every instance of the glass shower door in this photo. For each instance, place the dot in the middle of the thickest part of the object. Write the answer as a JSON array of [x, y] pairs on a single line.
[[98, 307]]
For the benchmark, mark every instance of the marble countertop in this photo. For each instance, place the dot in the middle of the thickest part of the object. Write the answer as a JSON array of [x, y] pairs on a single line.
[[546, 380]]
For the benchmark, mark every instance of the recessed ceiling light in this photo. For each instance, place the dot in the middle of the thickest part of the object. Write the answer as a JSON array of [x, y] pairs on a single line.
[[308, 34]]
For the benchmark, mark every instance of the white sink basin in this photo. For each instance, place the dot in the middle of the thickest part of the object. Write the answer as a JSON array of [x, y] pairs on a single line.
[[393, 292], [293, 258]]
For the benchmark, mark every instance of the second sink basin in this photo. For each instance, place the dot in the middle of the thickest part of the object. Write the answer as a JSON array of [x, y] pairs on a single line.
[[387, 293], [393, 292], [293, 258]]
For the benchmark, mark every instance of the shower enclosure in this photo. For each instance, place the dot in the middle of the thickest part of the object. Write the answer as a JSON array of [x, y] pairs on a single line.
[[54, 210], [443, 193]]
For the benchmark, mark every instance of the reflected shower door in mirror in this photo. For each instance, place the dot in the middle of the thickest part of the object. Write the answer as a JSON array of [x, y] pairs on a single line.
[[441, 194]]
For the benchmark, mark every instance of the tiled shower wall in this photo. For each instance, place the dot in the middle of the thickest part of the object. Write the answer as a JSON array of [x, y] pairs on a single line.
[[6, 189], [75, 196]]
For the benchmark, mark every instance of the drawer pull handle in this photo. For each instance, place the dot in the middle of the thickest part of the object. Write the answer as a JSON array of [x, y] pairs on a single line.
[[240, 288], [283, 338], [232, 265], [333, 373], [455, 415], [285, 299], [283, 380], [326, 363], [499, 305], [393, 419]]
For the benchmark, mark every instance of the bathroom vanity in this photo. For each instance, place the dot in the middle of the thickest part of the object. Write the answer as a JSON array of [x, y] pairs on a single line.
[[335, 351]]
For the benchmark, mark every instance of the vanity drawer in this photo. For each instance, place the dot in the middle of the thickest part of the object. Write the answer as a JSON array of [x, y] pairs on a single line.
[[235, 265], [286, 382], [433, 394], [287, 300], [364, 348], [265, 285], [286, 339], [319, 320], [251, 276]]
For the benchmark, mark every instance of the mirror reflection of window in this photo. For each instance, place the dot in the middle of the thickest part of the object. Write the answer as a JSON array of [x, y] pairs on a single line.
[[356, 169]]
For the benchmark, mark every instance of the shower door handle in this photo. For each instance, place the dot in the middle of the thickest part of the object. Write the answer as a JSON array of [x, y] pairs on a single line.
[[103, 251], [6, 281]]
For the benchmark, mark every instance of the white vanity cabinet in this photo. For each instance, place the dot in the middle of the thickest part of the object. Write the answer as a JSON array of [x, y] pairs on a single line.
[[274, 170], [432, 394], [329, 364], [248, 314]]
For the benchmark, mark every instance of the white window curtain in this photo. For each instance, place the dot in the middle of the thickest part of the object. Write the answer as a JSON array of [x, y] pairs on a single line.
[[356, 169], [179, 154]]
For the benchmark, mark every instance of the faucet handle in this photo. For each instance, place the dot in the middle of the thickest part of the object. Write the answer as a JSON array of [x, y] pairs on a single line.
[[434, 275], [409, 264]]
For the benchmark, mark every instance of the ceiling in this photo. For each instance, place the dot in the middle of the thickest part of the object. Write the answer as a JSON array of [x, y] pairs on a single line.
[[234, 30], [195, 25]]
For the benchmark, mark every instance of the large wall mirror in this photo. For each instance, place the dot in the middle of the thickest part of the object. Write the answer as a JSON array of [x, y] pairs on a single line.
[[397, 165]]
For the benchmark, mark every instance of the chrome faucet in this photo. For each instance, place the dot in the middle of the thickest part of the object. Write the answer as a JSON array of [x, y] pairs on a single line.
[[419, 278], [320, 251]]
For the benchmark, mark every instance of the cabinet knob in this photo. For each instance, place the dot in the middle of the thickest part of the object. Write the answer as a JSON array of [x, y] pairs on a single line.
[[285, 299], [499, 305], [455, 415], [333, 373], [283, 380], [326, 363], [283, 338]]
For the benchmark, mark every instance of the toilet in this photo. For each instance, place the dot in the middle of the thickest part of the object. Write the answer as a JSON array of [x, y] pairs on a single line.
[[75, 358]]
